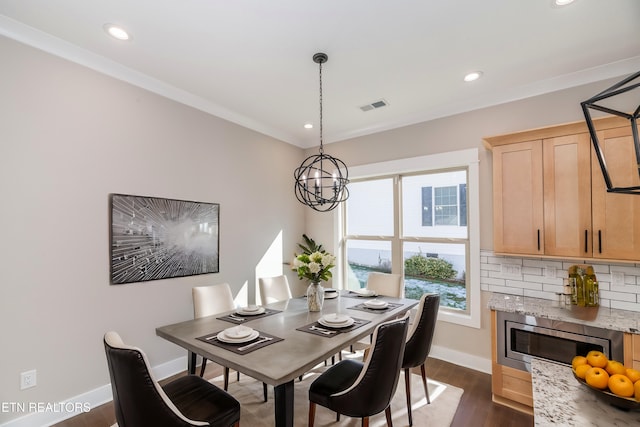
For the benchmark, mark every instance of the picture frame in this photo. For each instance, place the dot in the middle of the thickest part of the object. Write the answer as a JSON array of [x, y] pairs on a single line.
[[156, 238]]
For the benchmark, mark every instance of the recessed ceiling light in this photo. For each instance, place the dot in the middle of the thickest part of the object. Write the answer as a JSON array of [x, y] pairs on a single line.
[[563, 2], [473, 76], [117, 32], [308, 126]]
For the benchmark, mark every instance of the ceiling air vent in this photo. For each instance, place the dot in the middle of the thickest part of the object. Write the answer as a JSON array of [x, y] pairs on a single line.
[[376, 104]]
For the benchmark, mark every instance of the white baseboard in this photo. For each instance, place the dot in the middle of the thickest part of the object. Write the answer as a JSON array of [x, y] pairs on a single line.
[[462, 359], [90, 399]]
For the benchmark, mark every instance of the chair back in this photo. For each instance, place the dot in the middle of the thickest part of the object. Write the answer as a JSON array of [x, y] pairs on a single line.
[[273, 289], [213, 299], [386, 284], [373, 389], [421, 333], [138, 399]]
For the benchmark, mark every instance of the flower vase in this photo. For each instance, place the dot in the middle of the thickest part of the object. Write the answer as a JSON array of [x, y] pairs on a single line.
[[315, 296]]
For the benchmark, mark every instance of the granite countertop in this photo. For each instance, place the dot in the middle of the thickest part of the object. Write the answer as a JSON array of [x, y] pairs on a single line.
[[602, 317], [559, 400]]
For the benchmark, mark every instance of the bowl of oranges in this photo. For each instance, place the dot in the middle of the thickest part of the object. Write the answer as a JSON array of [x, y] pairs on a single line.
[[609, 379]]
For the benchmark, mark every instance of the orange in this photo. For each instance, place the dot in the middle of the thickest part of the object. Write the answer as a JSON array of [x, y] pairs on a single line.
[[614, 367], [581, 370], [632, 374], [578, 360], [636, 389], [597, 377], [597, 359], [620, 385]]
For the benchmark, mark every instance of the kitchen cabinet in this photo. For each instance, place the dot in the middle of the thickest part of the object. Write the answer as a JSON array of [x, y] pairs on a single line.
[[616, 217], [549, 197], [518, 198], [542, 196], [632, 356]]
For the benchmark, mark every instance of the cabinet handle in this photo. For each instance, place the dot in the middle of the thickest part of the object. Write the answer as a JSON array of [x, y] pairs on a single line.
[[538, 239], [586, 236], [599, 241]]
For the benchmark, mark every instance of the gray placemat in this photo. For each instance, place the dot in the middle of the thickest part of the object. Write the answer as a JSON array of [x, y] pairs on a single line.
[[362, 307], [240, 348], [317, 328], [239, 318]]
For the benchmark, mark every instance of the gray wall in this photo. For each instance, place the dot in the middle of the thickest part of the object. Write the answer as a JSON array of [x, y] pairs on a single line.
[[70, 136]]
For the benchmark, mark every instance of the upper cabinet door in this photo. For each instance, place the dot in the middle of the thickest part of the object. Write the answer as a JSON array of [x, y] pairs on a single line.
[[616, 217], [567, 195], [517, 198]]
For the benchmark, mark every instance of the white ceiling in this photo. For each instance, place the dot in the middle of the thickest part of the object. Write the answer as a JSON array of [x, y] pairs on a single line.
[[249, 61]]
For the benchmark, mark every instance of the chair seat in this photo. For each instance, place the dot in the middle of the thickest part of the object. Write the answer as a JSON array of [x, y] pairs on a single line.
[[337, 378], [200, 400]]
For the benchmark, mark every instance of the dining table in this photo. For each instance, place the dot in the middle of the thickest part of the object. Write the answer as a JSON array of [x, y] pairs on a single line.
[[295, 341]]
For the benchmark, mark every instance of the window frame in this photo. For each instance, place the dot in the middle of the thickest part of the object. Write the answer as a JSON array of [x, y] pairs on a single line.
[[467, 159]]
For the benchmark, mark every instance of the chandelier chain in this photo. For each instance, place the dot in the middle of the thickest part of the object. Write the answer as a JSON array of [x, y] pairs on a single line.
[[321, 149]]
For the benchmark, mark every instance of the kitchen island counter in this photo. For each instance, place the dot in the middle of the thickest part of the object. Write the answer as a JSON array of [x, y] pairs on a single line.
[[560, 401]]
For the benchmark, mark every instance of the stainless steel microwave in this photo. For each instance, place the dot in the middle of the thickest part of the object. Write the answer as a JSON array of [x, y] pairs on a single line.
[[521, 337]]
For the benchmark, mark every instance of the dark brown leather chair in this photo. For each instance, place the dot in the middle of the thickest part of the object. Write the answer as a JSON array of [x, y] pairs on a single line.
[[140, 401], [418, 344], [362, 389]]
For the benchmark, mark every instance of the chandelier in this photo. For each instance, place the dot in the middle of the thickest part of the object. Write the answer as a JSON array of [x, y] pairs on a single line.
[[595, 103], [321, 180]]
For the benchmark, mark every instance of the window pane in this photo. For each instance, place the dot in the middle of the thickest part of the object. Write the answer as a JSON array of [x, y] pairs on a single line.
[[365, 256], [370, 208], [436, 268], [432, 205]]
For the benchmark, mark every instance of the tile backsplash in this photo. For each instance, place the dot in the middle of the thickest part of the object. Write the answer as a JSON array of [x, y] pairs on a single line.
[[542, 278]]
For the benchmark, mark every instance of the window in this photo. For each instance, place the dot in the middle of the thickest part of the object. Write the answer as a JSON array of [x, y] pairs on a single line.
[[412, 217]]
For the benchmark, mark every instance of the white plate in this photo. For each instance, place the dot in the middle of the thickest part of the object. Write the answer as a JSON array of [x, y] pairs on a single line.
[[376, 304], [245, 312], [238, 332], [365, 292], [330, 295], [251, 308], [348, 322], [224, 338], [335, 318]]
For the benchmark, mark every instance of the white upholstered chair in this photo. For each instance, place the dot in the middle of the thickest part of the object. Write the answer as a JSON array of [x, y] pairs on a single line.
[[273, 289], [386, 284], [208, 301]]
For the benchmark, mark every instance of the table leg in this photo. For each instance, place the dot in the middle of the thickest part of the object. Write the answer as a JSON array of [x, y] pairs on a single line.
[[284, 404], [191, 363]]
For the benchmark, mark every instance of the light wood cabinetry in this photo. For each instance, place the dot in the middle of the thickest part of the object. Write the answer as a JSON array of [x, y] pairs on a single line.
[[632, 355], [517, 198], [616, 217], [567, 195], [549, 197]]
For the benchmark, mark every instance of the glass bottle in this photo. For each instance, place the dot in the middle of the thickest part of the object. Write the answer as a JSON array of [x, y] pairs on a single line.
[[580, 292], [590, 288], [573, 283]]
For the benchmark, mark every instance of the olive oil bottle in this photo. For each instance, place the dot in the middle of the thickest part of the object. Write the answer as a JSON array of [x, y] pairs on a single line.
[[591, 288]]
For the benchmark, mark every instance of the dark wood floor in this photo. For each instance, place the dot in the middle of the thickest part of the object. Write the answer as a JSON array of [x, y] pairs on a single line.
[[476, 407]]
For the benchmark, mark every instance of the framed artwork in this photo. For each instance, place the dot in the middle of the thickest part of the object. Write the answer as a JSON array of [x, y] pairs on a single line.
[[154, 238]]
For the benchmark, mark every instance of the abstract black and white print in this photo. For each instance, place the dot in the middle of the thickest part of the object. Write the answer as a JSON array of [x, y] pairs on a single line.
[[155, 238]]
